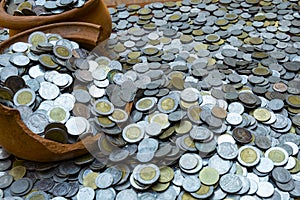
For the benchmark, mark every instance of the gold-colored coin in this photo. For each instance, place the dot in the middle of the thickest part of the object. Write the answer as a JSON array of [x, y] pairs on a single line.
[[248, 155], [293, 100], [160, 187], [183, 127], [18, 172], [204, 189], [189, 142], [24, 5], [198, 32], [259, 55], [187, 196], [154, 42], [104, 107], [169, 132], [209, 176], [221, 22], [90, 180], [200, 46], [133, 133], [144, 11], [261, 71], [256, 40], [147, 173], [219, 112], [168, 103], [166, 174], [243, 35], [165, 40], [185, 39], [277, 156], [262, 114], [119, 115], [296, 169], [161, 119], [57, 114], [174, 17], [186, 105], [134, 55], [177, 83], [119, 48], [259, 17], [105, 121], [24, 98]]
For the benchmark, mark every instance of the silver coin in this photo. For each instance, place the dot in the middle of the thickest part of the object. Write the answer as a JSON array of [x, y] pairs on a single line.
[[234, 118], [230, 183], [227, 150], [200, 133], [191, 184], [5, 181], [104, 180], [106, 194], [265, 189], [127, 194], [265, 165], [37, 122], [85, 193], [221, 165], [48, 91], [236, 107]]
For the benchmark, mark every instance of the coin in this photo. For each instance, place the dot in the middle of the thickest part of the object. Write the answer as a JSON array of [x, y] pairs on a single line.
[[248, 156], [133, 133], [103, 107], [262, 114], [230, 183], [209, 176], [278, 155]]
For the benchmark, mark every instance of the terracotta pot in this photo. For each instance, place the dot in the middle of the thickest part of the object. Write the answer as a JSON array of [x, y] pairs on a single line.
[[94, 11], [14, 134]]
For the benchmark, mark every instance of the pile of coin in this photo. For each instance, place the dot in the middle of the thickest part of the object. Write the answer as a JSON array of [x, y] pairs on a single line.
[[215, 93], [41, 7]]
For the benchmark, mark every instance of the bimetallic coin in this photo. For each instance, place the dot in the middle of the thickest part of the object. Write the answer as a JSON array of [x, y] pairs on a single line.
[[145, 104], [147, 174], [118, 116], [248, 156], [278, 155], [167, 104], [24, 97], [36, 38], [62, 52], [133, 133], [103, 107], [58, 114]]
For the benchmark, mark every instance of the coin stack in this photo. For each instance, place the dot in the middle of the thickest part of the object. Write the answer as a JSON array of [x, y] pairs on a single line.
[[41, 7], [215, 93]]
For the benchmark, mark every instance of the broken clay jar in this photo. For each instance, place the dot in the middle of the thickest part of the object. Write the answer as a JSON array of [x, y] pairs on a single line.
[[93, 11], [15, 137]]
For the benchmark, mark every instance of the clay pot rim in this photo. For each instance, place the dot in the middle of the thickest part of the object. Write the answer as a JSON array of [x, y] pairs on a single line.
[[92, 40], [72, 30], [11, 21]]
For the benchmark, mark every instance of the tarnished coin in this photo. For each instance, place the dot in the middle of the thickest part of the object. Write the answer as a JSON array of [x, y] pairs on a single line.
[[242, 135]]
